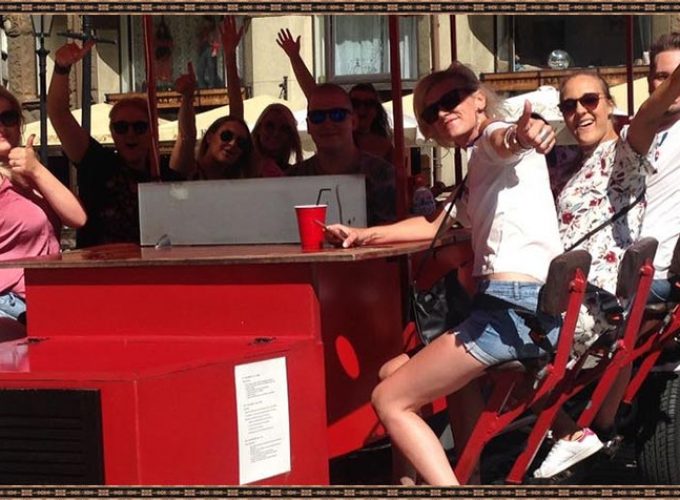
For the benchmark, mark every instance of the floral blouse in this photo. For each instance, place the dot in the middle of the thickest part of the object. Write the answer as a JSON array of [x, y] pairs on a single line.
[[610, 179]]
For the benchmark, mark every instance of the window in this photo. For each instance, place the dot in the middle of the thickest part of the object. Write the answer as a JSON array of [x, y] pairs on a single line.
[[588, 40], [178, 41], [359, 48]]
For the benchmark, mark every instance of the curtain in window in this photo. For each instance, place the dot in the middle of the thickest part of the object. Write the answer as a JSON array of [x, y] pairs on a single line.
[[361, 46]]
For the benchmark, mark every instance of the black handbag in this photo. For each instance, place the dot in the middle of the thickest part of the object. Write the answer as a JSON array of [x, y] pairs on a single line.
[[446, 303]]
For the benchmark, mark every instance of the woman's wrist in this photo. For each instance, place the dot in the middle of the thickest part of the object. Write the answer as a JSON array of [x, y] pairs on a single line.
[[61, 70], [511, 141]]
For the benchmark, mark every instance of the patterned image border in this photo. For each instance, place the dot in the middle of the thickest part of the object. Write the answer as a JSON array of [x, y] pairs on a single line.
[[357, 6], [356, 492]]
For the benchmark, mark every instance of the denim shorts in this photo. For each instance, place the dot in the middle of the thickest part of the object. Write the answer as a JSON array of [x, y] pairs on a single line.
[[661, 291], [497, 334], [11, 305]]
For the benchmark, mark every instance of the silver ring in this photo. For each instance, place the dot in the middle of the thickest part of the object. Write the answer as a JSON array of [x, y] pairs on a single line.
[[545, 133]]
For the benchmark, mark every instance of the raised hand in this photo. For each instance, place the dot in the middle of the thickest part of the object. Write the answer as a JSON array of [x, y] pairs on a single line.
[[230, 35], [534, 132], [286, 41], [71, 53], [23, 161], [186, 83]]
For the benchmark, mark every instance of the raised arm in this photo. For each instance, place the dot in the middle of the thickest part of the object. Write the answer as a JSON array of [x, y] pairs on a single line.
[[74, 139], [291, 47], [230, 40], [645, 123], [33, 174], [182, 158]]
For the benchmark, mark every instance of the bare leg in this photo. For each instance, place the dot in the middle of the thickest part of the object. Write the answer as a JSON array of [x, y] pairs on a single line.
[[403, 472], [464, 408], [441, 368]]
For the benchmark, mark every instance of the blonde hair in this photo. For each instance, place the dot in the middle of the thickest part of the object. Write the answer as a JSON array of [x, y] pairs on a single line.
[[294, 145], [140, 103], [468, 80]]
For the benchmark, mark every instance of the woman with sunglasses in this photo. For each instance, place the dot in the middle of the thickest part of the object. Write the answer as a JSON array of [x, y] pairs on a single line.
[[227, 150], [609, 177], [372, 133], [34, 205], [107, 179], [509, 207]]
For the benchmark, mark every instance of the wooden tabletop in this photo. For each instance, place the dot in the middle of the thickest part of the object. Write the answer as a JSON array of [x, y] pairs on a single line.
[[131, 255]]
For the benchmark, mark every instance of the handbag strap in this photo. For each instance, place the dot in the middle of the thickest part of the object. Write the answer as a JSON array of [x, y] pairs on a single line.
[[430, 250], [611, 220]]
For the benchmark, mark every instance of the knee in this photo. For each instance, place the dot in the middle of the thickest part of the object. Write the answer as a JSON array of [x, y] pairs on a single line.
[[380, 400], [392, 366]]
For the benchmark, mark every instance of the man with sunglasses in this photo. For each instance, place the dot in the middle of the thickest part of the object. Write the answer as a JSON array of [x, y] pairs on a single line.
[[331, 123], [107, 180]]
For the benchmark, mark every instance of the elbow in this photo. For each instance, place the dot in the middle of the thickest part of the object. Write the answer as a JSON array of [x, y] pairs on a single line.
[[78, 219]]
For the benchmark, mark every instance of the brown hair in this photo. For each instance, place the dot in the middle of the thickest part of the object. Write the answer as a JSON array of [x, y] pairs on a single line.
[[245, 164], [469, 81], [593, 74], [14, 103], [669, 41], [294, 144]]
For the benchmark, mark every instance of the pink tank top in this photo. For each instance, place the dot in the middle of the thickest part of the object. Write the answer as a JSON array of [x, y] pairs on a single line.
[[28, 228]]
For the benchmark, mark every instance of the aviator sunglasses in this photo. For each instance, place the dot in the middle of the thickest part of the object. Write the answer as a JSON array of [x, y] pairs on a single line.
[[447, 102], [336, 115], [121, 127], [9, 118], [588, 100], [229, 136]]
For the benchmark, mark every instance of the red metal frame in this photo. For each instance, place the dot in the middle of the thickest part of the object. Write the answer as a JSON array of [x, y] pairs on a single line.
[[576, 378], [502, 408]]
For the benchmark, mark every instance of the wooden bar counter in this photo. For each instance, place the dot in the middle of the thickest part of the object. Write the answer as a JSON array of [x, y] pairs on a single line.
[[157, 336]]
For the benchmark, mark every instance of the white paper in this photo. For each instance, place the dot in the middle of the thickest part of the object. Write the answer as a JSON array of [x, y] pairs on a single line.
[[262, 419]]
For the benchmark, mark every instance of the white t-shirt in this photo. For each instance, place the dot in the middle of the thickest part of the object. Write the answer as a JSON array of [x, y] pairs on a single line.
[[662, 216], [509, 206]]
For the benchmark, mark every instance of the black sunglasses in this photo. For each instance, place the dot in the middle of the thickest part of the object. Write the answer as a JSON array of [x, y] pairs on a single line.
[[241, 142], [588, 100], [336, 115], [9, 118], [365, 103], [121, 127], [447, 102]]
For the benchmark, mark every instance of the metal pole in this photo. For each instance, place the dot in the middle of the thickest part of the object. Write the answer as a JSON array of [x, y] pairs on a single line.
[[457, 155], [42, 75], [154, 166], [629, 65], [86, 98], [398, 113]]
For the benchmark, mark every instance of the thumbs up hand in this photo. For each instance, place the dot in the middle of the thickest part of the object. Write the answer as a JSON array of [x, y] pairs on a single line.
[[534, 132], [23, 161]]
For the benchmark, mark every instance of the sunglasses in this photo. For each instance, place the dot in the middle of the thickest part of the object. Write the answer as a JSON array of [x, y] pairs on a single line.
[[364, 103], [336, 115], [9, 118], [447, 102], [589, 101], [241, 142], [122, 127]]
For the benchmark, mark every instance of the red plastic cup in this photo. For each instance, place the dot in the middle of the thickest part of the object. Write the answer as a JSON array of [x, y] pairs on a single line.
[[311, 220]]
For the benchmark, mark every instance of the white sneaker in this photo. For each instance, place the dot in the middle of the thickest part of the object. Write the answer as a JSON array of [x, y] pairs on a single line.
[[565, 453]]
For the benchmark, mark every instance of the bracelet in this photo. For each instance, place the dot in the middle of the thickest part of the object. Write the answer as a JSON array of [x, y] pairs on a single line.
[[62, 70], [511, 141]]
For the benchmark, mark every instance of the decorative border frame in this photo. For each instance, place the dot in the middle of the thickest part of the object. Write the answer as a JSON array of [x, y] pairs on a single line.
[[357, 492], [304, 7], [337, 7]]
